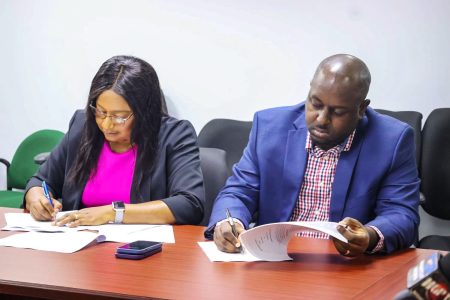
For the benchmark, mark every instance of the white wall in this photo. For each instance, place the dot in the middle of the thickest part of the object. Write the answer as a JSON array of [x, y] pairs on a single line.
[[215, 58]]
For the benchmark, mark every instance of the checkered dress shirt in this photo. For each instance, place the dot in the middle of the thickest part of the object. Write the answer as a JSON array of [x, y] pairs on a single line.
[[314, 199]]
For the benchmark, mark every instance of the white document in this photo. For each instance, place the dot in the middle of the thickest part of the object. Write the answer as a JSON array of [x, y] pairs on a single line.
[[65, 242], [25, 222], [126, 233], [122, 233], [45, 236], [214, 254], [269, 242]]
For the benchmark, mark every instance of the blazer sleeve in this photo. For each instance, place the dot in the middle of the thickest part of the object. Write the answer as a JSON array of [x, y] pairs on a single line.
[[397, 202], [241, 192], [53, 170], [184, 176]]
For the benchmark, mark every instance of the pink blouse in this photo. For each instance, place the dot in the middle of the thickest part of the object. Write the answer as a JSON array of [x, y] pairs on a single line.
[[113, 179]]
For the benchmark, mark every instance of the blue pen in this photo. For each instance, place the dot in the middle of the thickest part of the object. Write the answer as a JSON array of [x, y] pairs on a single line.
[[47, 195]]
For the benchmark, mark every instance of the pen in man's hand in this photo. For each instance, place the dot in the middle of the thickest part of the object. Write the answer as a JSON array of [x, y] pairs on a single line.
[[47, 195], [231, 222]]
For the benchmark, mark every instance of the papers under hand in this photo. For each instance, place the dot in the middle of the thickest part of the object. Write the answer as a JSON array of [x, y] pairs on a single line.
[[122, 233], [214, 254], [45, 236], [25, 222], [269, 242]]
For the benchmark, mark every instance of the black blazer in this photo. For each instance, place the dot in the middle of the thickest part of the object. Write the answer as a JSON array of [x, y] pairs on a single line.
[[176, 177]]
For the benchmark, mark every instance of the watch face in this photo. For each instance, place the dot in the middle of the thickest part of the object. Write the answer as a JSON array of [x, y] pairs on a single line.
[[119, 205]]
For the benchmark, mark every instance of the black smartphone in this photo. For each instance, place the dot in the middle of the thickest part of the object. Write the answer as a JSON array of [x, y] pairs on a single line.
[[138, 256], [139, 247]]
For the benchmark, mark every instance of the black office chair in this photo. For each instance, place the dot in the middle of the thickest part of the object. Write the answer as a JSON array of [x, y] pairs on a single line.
[[164, 110], [436, 173], [215, 173], [413, 119], [229, 135]]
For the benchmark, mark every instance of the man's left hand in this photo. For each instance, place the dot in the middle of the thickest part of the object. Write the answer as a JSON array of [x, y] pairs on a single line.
[[358, 237]]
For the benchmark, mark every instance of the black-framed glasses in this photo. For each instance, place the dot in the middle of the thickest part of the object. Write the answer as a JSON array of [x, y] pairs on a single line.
[[103, 115]]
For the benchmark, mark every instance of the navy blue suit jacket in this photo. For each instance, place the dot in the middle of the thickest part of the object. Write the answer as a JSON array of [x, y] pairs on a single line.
[[376, 182]]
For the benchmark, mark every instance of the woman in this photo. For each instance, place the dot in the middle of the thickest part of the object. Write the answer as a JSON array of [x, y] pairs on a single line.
[[122, 159]]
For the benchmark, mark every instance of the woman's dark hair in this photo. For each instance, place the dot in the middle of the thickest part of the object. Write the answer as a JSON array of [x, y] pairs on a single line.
[[136, 81]]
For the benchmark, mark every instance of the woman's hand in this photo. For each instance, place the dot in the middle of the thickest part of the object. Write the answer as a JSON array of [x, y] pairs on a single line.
[[88, 216], [39, 206]]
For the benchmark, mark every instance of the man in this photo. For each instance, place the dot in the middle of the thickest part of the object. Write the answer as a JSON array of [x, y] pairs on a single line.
[[329, 158]]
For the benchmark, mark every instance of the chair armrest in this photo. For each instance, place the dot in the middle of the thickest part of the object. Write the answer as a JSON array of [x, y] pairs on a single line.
[[41, 158], [422, 199], [5, 162]]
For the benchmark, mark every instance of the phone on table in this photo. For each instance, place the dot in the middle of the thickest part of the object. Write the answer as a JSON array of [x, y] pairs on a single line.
[[138, 256], [138, 249]]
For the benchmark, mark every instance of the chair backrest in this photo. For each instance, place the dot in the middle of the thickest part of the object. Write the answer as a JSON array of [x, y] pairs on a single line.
[[215, 173], [413, 119], [164, 104], [229, 135], [435, 168], [23, 165]]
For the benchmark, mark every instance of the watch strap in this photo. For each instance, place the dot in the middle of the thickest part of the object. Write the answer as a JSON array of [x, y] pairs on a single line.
[[118, 219]]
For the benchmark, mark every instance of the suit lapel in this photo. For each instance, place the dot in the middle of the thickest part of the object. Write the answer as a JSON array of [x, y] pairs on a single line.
[[344, 174], [294, 166], [145, 186]]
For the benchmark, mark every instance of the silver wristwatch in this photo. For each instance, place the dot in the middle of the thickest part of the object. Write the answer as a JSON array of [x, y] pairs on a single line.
[[119, 208]]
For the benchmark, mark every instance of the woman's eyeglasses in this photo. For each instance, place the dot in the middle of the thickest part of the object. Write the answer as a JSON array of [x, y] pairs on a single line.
[[103, 115]]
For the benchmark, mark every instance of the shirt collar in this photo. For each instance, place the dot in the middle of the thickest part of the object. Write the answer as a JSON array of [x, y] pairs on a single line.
[[344, 146]]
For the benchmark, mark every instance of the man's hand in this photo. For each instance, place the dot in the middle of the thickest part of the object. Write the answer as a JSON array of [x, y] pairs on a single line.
[[224, 238], [360, 238]]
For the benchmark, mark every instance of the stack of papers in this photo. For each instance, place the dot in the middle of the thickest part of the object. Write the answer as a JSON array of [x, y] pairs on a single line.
[[269, 242], [45, 236]]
